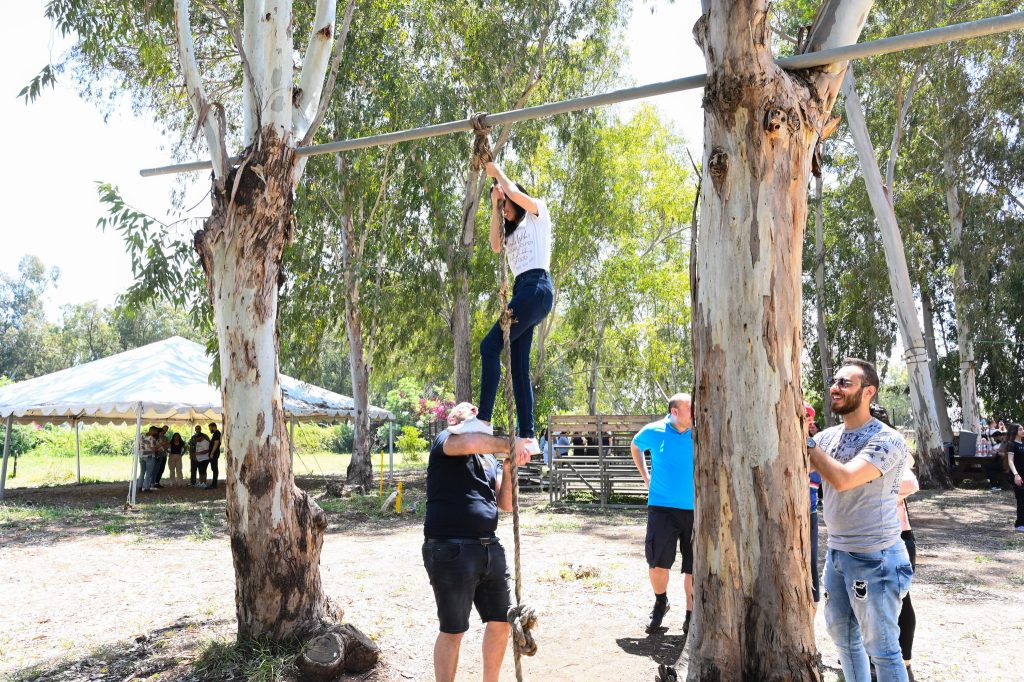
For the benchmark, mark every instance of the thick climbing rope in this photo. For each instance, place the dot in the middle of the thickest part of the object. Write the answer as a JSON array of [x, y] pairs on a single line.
[[521, 616]]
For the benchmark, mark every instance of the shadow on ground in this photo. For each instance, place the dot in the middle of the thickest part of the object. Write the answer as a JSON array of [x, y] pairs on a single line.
[[662, 649]]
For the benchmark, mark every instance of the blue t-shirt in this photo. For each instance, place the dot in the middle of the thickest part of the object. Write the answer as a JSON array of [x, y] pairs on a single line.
[[815, 484], [461, 494], [671, 464]]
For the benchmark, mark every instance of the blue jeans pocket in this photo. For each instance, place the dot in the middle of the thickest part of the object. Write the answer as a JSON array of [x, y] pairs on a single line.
[[905, 577], [441, 552]]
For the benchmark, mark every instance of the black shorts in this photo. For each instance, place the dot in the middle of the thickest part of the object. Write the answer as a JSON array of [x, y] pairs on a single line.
[[464, 573], [666, 526]]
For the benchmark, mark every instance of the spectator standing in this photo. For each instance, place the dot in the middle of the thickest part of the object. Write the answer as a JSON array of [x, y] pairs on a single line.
[[147, 459], [867, 567], [669, 502], [199, 451], [162, 443], [176, 449], [215, 442], [1014, 449]]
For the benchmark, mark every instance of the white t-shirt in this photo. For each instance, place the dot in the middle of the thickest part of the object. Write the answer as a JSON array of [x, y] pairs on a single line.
[[529, 247]]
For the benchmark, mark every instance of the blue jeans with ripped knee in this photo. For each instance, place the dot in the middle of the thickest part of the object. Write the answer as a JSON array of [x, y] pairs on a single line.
[[863, 595]]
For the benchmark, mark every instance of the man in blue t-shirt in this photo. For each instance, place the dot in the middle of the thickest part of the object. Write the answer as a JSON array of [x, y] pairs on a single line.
[[464, 560], [669, 501]]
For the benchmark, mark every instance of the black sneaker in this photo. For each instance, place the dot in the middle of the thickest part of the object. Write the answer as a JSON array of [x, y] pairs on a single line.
[[157, 485], [686, 625], [657, 615], [910, 674]]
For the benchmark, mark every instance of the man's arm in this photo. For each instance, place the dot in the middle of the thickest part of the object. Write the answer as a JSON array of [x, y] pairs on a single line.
[[640, 462], [504, 492], [842, 477], [462, 444]]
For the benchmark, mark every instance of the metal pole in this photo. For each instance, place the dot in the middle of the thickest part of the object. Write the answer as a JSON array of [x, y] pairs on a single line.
[[135, 457], [78, 454], [910, 41], [7, 452], [291, 443], [391, 448]]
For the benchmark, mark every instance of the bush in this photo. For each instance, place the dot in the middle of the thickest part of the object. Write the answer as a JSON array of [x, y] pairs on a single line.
[[411, 445], [339, 438], [117, 441], [23, 439], [54, 440]]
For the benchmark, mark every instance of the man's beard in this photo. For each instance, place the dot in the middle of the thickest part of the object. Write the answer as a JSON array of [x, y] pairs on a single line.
[[850, 403]]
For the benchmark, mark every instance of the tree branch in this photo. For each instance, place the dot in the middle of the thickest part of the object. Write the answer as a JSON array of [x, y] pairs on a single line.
[[314, 67], [332, 79], [211, 126], [252, 96]]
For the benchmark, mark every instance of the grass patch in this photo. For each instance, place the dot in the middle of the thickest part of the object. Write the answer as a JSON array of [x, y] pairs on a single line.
[[1017, 580], [202, 531], [43, 513], [115, 526], [982, 559], [1014, 543], [253, 660]]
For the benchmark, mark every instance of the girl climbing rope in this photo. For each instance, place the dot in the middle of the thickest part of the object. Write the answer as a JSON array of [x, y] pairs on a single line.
[[521, 223]]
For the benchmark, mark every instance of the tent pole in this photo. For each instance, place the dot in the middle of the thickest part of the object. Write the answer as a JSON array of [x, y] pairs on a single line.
[[7, 452], [78, 455], [391, 448], [135, 458], [291, 443]]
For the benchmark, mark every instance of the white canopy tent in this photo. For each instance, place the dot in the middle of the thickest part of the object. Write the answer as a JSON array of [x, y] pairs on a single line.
[[166, 382]]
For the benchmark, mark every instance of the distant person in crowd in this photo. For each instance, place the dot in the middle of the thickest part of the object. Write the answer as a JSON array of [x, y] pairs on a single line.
[[562, 444], [162, 444], [466, 488], [669, 502], [199, 452], [579, 446], [147, 459], [215, 445], [867, 567], [1014, 451], [815, 485], [176, 449], [908, 486]]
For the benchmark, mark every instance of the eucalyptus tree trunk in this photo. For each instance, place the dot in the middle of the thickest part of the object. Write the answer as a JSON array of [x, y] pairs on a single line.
[[824, 348], [595, 369], [360, 467], [933, 469], [752, 616], [964, 339], [276, 528], [928, 308]]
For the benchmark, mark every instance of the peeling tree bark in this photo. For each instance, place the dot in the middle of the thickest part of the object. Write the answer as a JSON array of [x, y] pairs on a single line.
[[964, 340], [752, 616], [933, 469]]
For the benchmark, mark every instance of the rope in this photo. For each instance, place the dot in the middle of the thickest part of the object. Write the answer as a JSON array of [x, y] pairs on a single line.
[[521, 616]]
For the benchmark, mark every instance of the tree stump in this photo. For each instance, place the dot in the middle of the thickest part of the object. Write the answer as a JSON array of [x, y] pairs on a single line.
[[323, 658], [361, 653]]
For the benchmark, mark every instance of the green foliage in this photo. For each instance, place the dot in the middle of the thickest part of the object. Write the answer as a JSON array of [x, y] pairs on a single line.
[[108, 440], [23, 439], [251, 660], [411, 444]]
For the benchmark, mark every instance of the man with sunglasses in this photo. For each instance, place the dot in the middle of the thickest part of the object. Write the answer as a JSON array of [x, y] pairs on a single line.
[[867, 568]]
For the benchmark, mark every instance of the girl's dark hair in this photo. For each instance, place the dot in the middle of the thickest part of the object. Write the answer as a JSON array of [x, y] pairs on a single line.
[[178, 436], [1011, 435], [881, 414], [511, 225]]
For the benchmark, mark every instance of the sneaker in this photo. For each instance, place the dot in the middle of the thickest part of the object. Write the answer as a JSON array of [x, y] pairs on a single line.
[[531, 445], [657, 615], [910, 674], [157, 485], [995, 489], [472, 425], [1019, 529]]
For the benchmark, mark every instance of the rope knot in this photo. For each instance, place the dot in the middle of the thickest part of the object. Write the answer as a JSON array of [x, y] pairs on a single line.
[[523, 618], [481, 143]]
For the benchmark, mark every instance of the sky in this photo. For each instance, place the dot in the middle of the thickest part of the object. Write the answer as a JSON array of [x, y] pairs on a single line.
[[59, 146]]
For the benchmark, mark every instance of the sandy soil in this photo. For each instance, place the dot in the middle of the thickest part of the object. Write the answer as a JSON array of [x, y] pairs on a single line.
[[113, 595]]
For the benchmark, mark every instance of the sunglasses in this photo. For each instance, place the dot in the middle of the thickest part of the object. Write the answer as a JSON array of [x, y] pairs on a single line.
[[842, 382]]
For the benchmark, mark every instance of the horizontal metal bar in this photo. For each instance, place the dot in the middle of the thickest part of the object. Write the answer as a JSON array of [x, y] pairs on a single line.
[[910, 41]]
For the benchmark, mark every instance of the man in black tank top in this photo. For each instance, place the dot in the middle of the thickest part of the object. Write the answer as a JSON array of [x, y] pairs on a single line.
[[465, 562]]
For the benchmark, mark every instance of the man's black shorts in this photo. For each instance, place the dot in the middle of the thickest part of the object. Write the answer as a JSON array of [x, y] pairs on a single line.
[[464, 573], [665, 527]]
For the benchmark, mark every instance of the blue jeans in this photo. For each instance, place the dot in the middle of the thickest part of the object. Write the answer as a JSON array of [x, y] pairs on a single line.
[[532, 299], [863, 596], [147, 469]]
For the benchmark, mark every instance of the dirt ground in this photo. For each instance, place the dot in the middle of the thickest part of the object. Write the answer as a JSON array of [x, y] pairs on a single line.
[[90, 592]]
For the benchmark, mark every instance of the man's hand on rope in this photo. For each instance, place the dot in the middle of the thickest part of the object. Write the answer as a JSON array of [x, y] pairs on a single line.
[[492, 170], [524, 450]]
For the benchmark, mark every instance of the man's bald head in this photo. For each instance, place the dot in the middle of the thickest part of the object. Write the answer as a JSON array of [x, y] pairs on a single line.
[[680, 408], [461, 413]]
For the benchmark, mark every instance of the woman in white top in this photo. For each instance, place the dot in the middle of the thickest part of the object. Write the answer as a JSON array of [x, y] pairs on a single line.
[[522, 223]]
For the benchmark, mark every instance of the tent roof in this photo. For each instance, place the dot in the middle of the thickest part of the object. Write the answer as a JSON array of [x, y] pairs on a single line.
[[169, 379]]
